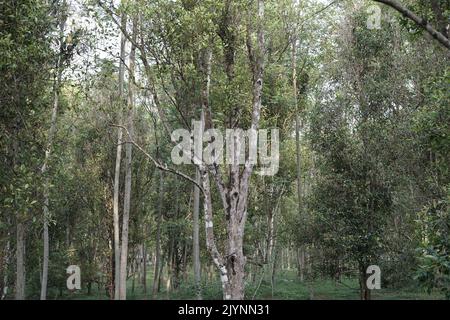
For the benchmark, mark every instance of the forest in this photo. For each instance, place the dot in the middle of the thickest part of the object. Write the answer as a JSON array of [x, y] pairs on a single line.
[[224, 149]]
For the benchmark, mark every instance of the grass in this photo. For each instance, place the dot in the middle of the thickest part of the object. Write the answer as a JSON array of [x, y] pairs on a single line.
[[287, 287]]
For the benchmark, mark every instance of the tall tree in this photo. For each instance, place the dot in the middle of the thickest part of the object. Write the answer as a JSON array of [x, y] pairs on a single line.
[[128, 167], [116, 194], [62, 47]]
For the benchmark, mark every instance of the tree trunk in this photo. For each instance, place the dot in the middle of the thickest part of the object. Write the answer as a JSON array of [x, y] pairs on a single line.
[[133, 275], [20, 230], [236, 265], [210, 238], [4, 289], [364, 291], [116, 222], [297, 123], [160, 275], [196, 243], [144, 267], [89, 288], [269, 241], [20, 262], [158, 236], [301, 263], [276, 250], [235, 197], [56, 90], [170, 264], [276, 253], [128, 173], [185, 261]]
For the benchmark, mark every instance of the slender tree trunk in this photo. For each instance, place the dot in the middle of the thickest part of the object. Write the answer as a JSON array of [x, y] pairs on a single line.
[[210, 238], [128, 173], [158, 236], [170, 265], [133, 275], [196, 243], [301, 263], [20, 262], [185, 261], [4, 289], [89, 288], [270, 235], [46, 192], [297, 144], [20, 228], [160, 274], [116, 222], [276, 253], [144, 267], [364, 291], [297, 124]]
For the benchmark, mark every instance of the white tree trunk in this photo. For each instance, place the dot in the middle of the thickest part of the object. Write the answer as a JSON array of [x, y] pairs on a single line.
[[116, 222], [128, 173]]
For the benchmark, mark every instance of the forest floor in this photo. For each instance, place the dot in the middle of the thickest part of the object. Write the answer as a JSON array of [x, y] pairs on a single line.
[[287, 287]]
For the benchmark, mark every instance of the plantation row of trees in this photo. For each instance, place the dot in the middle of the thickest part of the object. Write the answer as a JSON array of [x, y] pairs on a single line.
[[91, 90]]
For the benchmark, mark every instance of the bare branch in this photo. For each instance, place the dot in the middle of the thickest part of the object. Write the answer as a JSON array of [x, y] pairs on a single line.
[[161, 166]]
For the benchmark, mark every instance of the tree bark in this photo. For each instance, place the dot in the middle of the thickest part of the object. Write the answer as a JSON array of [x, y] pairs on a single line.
[[156, 277], [364, 291], [20, 228], [128, 173], [116, 222], [422, 23], [144, 267], [235, 197], [20, 261], [196, 243], [301, 263], [5, 264], [56, 90], [297, 124]]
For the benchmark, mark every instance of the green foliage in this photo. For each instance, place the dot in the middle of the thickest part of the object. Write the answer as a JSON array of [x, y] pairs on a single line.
[[434, 259], [374, 145]]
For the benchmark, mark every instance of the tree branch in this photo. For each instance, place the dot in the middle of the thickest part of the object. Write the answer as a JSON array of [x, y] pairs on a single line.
[[161, 166], [421, 22]]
